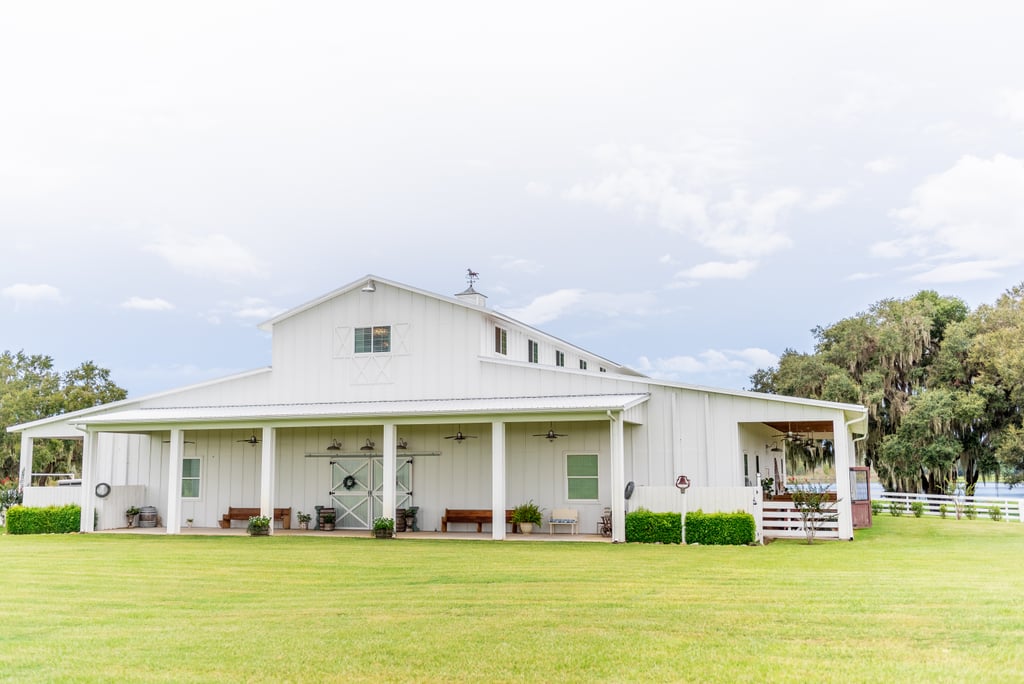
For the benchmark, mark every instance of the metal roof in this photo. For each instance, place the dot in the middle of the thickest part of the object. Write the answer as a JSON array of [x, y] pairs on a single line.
[[391, 409]]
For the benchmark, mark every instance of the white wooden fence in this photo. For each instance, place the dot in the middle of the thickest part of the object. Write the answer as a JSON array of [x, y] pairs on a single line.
[[1011, 508], [782, 519]]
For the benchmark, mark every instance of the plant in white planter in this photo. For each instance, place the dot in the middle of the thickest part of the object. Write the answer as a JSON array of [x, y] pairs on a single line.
[[304, 519], [526, 516]]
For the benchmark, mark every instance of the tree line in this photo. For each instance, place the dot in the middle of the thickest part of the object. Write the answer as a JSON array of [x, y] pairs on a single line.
[[943, 386], [31, 389]]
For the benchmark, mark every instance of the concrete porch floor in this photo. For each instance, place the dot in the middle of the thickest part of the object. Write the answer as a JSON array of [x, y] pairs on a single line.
[[470, 536]]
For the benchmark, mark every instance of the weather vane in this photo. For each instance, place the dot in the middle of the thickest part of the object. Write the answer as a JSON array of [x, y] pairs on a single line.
[[471, 276]]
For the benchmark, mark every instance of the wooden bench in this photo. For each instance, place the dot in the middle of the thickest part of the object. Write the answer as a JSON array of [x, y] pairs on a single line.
[[283, 515], [480, 516]]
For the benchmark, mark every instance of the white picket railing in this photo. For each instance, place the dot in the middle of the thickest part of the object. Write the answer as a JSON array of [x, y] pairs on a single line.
[[782, 519], [1011, 508]]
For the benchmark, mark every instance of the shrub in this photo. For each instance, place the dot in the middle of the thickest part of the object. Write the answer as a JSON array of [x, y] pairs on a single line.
[[995, 512], [943, 509], [970, 511], [918, 508], [719, 528], [650, 528], [895, 509], [876, 508], [49, 520]]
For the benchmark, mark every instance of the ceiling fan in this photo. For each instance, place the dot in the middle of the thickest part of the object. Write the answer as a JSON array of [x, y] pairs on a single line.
[[458, 436], [251, 440], [551, 435], [187, 441]]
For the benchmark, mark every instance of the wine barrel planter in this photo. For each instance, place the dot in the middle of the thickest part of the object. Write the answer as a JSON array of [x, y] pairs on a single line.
[[147, 516]]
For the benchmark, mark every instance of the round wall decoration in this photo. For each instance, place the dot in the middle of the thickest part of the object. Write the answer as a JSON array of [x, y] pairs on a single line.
[[349, 482], [102, 490]]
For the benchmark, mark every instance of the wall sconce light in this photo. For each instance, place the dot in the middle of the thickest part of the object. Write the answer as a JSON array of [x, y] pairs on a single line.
[[402, 444], [369, 446], [335, 445]]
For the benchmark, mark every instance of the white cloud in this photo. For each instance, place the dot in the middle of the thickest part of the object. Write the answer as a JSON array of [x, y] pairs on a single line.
[[711, 270], [827, 199], [518, 265], [22, 293], [546, 307], [697, 189], [862, 276], [968, 221], [733, 361], [1011, 105], [141, 304], [216, 256], [537, 189], [962, 272], [883, 165], [255, 308]]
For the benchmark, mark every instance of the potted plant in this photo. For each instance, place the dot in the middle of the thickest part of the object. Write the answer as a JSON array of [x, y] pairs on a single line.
[[130, 515], [304, 519], [526, 516], [327, 519], [767, 486], [189, 521], [410, 518], [259, 526], [383, 528]]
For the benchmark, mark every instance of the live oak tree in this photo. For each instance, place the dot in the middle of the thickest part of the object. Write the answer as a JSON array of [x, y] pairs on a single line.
[[31, 389], [944, 386]]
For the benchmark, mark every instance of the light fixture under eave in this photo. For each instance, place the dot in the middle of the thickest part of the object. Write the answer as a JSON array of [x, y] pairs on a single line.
[[335, 445], [775, 448], [402, 444], [369, 446], [370, 286]]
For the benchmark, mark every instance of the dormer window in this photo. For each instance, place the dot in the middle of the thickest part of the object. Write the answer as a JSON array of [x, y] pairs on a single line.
[[373, 340], [532, 351]]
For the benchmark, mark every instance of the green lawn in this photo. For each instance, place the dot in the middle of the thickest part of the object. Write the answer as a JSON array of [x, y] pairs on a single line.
[[910, 600]]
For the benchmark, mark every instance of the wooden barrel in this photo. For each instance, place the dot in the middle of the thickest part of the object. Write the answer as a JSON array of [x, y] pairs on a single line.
[[147, 516]]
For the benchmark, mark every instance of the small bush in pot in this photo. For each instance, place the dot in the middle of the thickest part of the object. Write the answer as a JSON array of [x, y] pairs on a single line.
[[384, 528], [527, 515], [259, 525]]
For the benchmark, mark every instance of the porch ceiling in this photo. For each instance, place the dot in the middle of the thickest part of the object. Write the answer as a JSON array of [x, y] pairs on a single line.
[[372, 409], [801, 425]]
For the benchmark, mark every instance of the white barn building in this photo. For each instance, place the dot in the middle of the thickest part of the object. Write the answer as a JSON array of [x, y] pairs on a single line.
[[368, 389]]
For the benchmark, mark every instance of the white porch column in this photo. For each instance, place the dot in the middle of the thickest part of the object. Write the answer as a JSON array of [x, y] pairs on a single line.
[[268, 472], [390, 496], [841, 443], [25, 470], [172, 514], [90, 448], [618, 479], [498, 480]]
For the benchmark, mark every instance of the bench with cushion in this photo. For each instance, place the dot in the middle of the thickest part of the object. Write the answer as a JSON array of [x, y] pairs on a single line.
[[480, 516], [565, 516], [282, 515]]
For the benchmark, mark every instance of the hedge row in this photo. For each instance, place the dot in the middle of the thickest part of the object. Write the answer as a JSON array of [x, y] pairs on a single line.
[[650, 528], [720, 528], [49, 520]]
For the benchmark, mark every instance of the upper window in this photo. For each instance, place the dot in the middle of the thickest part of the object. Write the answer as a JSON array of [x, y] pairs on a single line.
[[500, 340], [559, 358], [581, 477], [583, 364], [376, 340], [190, 469], [532, 351]]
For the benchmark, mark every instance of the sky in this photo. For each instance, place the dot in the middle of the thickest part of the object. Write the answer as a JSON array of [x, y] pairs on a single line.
[[687, 189]]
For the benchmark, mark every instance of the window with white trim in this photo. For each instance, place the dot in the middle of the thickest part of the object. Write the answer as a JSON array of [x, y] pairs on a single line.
[[581, 475], [559, 358], [583, 364], [500, 340], [373, 340], [532, 351], [191, 470]]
